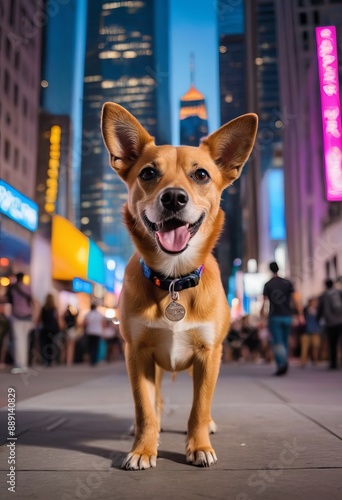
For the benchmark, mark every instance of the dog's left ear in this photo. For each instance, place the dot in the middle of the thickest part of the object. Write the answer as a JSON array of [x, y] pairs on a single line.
[[231, 145], [123, 136]]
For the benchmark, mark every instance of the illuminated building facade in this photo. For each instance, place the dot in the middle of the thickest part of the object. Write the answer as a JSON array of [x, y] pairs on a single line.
[[313, 216], [265, 193], [126, 56], [20, 55], [232, 104]]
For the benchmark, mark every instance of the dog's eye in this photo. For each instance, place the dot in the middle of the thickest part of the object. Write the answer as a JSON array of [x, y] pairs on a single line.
[[201, 175], [148, 174]]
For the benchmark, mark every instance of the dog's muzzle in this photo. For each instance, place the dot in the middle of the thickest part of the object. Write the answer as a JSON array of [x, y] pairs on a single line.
[[172, 233]]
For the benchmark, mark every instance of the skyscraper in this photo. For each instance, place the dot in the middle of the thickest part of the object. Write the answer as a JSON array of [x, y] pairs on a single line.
[[62, 92], [193, 117], [20, 55], [193, 114], [126, 52], [266, 208], [232, 104]]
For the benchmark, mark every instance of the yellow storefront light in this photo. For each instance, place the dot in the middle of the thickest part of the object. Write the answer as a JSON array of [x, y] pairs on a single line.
[[70, 250]]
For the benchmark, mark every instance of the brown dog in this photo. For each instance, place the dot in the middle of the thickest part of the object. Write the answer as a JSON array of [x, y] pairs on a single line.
[[173, 309]]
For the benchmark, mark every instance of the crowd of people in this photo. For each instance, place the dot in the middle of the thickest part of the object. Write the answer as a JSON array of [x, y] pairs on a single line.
[[51, 338], [283, 329], [286, 329]]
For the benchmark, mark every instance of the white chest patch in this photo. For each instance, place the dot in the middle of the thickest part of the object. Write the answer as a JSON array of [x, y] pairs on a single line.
[[174, 339]]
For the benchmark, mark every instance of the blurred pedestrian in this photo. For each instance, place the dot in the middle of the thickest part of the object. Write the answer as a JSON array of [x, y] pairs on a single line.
[[20, 297], [279, 292], [93, 328], [234, 341], [5, 333], [71, 333], [312, 333], [111, 333], [48, 341], [330, 309], [250, 338]]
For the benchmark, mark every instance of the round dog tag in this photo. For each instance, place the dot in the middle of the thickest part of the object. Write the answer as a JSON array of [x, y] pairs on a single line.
[[175, 311]]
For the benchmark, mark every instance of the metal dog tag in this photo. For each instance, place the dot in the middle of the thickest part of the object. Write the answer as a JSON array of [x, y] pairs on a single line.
[[175, 311]]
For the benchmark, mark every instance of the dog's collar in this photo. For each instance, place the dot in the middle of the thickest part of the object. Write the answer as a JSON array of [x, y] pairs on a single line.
[[181, 283]]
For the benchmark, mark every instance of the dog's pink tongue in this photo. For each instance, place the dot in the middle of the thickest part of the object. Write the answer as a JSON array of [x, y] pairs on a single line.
[[174, 240]]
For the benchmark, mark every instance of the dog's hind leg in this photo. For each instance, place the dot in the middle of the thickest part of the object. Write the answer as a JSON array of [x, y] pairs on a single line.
[[141, 370], [198, 448]]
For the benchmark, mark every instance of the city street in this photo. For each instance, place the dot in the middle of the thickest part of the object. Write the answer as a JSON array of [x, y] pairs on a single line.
[[278, 438]]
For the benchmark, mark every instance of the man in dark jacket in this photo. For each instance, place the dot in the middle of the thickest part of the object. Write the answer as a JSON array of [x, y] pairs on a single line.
[[330, 309], [279, 293]]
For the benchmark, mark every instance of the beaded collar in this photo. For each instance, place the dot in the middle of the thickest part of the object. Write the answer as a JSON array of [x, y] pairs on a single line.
[[181, 283]]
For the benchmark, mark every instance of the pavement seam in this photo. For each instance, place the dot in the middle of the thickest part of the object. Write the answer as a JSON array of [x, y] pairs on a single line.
[[296, 410]]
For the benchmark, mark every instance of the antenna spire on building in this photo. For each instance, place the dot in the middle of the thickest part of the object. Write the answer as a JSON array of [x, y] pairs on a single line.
[[192, 69]]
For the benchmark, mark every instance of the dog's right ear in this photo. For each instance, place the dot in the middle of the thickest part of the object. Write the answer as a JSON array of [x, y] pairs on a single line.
[[123, 136]]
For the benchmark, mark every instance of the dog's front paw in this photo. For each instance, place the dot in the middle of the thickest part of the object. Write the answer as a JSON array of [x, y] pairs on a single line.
[[139, 461], [201, 458]]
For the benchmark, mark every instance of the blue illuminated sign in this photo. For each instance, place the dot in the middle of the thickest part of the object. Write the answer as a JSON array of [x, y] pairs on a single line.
[[96, 268], [18, 207], [277, 204], [79, 285]]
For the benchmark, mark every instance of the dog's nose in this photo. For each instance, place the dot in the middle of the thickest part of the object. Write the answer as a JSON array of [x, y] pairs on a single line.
[[174, 199]]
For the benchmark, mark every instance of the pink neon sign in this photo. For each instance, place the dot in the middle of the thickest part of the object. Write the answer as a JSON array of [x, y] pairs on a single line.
[[331, 110]]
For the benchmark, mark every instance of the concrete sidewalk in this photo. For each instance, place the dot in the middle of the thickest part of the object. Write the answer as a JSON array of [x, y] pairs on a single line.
[[278, 438]]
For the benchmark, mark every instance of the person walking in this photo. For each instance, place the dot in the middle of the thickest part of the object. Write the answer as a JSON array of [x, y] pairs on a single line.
[[279, 293], [330, 309], [19, 296], [50, 327], [311, 336], [93, 325], [72, 333]]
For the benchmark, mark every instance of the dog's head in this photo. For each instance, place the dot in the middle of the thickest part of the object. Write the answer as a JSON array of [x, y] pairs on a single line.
[[173, 208]]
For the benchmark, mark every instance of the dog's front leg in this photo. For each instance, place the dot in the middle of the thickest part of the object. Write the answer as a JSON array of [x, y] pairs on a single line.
[[205, 371], [141, 370]]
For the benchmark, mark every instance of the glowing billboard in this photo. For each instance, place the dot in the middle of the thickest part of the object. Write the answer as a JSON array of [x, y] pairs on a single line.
[[331, 110], [73, 254], [18, 207]]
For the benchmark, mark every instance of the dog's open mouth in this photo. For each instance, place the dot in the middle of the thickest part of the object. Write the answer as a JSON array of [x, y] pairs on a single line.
[[173, 235]]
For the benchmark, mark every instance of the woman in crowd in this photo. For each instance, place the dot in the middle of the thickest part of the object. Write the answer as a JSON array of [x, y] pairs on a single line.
[[49, 329], [312, 333], [72, 333]]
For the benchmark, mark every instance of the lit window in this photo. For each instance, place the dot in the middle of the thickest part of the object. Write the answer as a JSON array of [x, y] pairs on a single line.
[[108, 84], [109, 54], [93, 78], [130, 54]]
